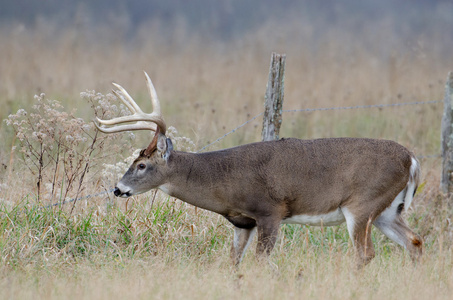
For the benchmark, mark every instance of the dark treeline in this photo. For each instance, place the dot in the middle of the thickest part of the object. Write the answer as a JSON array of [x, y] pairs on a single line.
[[231, 18]]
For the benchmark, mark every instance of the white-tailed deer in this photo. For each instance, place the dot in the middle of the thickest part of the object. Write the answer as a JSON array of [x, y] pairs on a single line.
[[257, 187]]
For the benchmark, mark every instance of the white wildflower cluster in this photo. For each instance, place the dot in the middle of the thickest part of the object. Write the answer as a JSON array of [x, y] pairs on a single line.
[[56, 146], [13, 120], [46, 124], [104, 105], [180, 142]]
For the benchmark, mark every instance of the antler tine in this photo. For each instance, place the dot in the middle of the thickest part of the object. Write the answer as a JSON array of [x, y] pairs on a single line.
[[124, 119], [128, 99], [152, 93], [143, 121], [130, 127], [129, 106]]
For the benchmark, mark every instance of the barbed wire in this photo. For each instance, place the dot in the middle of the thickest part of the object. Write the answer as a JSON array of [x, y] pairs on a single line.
[[230, 132], [363, 106], [285, 111], [429, 156], [77, 199], [322, 109]]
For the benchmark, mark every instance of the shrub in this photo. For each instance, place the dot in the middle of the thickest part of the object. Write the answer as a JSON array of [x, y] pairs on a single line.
[[58, 149]]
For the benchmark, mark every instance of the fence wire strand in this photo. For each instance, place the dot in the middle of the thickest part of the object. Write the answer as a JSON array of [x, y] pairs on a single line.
[[323, 109], [230, 132], [77, 199], [364, 106]]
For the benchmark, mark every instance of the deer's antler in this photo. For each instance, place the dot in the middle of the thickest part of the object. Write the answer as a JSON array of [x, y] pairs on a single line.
[[143, 120]]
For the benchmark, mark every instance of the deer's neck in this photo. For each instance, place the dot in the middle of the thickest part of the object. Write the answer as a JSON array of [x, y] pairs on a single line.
[[190, 180]]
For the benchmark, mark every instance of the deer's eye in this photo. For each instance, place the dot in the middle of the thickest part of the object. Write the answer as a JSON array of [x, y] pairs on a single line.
[[141, 166]]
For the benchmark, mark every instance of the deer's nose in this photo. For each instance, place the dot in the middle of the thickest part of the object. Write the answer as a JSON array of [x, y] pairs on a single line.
[[120, 193], [117, 192]]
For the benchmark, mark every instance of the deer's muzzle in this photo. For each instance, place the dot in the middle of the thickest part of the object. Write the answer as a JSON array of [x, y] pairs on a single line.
[[117, 192]]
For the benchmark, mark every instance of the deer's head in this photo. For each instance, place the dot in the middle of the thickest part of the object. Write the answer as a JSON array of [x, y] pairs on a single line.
[[149, 169]]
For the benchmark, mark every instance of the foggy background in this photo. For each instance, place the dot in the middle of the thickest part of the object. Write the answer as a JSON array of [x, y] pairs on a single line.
[[210, 59], [413, 23]]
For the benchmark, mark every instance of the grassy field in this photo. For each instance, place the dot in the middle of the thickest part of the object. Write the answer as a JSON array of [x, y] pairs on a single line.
[[153, 246]]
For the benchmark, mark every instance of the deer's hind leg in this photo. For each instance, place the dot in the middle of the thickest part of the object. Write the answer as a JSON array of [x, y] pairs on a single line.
[[242, 239], [359, 228], [391, 223]]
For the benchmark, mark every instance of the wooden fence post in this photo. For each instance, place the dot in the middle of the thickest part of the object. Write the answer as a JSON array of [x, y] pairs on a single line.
[[446, 182], [273, 99]]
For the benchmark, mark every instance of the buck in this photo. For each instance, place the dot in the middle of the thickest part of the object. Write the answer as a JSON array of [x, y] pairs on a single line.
[[257, 187]]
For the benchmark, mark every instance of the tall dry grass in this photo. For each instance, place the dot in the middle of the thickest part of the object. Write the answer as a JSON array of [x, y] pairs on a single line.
[[148, 247], [210, 86]]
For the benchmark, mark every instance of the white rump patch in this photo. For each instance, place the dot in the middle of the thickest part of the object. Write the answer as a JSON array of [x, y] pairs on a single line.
[[333, 218], [411, 185]]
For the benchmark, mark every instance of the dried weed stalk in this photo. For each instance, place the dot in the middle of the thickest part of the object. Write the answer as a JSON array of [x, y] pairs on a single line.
[[58, 149]]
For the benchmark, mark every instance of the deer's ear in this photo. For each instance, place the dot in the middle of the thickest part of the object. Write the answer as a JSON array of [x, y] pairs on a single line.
[[152, 146], [164, 146]]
